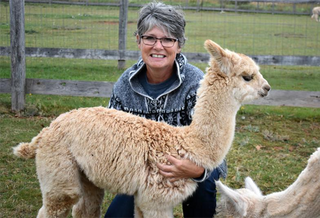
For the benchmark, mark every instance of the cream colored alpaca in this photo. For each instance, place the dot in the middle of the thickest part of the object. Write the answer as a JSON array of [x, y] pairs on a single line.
[[299, 200], [88, 150], [315, 13]]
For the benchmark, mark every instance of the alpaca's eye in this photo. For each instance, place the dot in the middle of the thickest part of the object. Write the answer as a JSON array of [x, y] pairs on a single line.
[[247, 78]]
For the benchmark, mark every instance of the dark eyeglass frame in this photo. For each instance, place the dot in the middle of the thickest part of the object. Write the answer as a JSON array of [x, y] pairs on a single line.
[[144, 37]]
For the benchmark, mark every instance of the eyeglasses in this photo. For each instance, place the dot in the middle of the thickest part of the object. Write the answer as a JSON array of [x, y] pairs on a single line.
[[165, 42]]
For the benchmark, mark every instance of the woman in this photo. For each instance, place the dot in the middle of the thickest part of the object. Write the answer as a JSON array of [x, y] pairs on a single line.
[[162, 86]]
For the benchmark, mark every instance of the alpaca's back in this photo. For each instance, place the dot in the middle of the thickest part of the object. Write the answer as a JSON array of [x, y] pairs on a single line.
[[106, 141]]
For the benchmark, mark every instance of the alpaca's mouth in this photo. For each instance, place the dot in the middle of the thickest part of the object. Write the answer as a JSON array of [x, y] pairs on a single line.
[[263, 94]]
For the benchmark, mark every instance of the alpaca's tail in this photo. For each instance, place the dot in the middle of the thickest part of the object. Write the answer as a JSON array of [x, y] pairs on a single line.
[[29, 150], [26, 150]]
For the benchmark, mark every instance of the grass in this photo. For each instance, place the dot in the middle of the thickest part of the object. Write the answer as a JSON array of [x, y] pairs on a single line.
[[272, 144]]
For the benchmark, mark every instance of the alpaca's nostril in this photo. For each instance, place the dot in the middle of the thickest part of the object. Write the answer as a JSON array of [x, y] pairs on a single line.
[[267, 88]]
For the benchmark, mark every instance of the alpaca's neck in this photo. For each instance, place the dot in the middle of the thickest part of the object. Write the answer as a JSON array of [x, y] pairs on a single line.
[[302, 198], [212, 129]]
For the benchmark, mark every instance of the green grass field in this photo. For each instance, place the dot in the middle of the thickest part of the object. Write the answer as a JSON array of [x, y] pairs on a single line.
[[272, 144]]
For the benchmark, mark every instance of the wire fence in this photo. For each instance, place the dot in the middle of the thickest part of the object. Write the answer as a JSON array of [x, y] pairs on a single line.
[[86, 24]]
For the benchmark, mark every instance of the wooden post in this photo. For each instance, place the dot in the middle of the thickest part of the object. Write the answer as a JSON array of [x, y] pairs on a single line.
[[236, 5], [198, 5], [18, 61], [272, 8], [222, 5], [123, 19]]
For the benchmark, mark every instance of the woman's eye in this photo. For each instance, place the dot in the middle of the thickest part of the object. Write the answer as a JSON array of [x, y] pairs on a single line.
[[167, 40], [150, 38], [247, 78]]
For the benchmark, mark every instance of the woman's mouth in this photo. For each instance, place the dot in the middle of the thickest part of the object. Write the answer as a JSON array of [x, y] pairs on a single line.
[[157, 56]]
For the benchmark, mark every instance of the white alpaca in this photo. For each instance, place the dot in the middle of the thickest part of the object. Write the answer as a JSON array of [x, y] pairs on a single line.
[[299, 200], [315, 13], [88, 150]]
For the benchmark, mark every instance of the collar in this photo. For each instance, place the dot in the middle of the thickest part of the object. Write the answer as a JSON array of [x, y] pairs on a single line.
[[180, 62]]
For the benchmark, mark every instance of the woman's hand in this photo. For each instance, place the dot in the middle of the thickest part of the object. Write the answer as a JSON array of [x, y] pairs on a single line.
[[180, 169]]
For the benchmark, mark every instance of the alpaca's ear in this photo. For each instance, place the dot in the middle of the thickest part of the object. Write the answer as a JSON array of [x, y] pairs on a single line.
[[251, 185], [234, 198], [214, 50], [219, 55]]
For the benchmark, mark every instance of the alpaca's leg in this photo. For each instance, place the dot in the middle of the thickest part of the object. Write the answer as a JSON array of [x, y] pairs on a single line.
[[168, 213], [146, 206], [59, 181], [41, 213], [137, 212], [154, 210], [89, 206], [58, 204]]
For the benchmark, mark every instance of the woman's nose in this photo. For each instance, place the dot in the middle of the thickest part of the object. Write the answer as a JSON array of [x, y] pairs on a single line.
[[158, 44]]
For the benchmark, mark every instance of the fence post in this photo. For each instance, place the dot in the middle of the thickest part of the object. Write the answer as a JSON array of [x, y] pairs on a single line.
[[272, 8], [236, 5], [198, 5], [18, 61], [123, 18]]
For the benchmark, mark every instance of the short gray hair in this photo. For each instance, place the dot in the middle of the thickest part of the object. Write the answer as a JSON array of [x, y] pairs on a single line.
[[166, 17]]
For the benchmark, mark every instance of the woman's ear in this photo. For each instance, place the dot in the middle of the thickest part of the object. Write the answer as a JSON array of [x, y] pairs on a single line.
[[138, 40], [179, 50]]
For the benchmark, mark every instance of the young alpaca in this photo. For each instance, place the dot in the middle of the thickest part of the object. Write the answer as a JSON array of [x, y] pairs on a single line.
[[88, 150], [299, 200], [315, 13]]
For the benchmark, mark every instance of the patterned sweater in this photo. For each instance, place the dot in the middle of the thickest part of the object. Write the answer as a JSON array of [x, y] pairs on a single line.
[[174, 106]]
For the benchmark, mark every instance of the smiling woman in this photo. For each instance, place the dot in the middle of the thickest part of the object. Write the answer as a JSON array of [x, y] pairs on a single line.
[[159, 59], [162, 86]]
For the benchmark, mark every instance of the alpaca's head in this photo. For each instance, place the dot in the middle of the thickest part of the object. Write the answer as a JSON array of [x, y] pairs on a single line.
[[241, 73], [250, 203], [241, 203]]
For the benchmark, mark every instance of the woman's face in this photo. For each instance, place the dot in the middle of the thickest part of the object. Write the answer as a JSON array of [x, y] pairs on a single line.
[[157, 57]]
